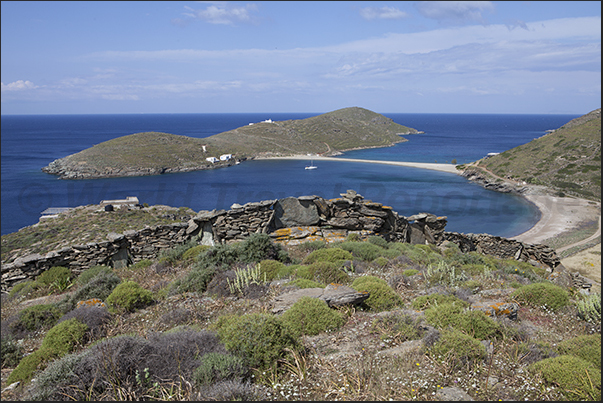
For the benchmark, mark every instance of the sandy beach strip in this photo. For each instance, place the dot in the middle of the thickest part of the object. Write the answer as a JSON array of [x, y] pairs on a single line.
[[450, 168], [557, 214]]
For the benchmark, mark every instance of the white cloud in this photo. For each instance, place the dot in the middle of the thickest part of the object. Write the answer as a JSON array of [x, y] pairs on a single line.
[[387, 13], [219, 13], [18, 85], [455, 12]]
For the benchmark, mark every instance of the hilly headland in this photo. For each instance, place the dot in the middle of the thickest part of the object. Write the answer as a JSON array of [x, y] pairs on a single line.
[[154, 153]]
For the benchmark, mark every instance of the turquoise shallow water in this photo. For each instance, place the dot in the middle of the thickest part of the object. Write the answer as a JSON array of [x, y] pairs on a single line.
[[31, 142]]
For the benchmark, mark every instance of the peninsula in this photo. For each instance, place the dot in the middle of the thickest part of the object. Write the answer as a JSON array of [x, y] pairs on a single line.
[[154, 153]]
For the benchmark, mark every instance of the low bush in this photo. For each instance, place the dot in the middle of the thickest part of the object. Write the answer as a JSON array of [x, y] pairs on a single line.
[[271, 268], [218, 367], [419, 254], [193, 253], [99, 286], [362, 250], [397, 326], [474, 323], [128, 366], [32, 319], [56, 278], [87, 275], [129, 296], [577, 378], [587, 347], [11, 352], [196, 280], [332, 255], [328, 272], [410, 272], [457, 349], [425, 301], [95, 317], [379, 241], [380, 262], [541, 295], [59, 340], [382, 296], [311, 316], [589, 308], [260, 339]]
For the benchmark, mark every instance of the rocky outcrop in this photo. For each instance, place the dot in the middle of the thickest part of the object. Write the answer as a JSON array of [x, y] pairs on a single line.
[[334, 295], [288, 221], [476, 175]]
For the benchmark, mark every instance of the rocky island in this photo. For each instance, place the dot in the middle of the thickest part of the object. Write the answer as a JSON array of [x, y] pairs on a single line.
[[154, 153]]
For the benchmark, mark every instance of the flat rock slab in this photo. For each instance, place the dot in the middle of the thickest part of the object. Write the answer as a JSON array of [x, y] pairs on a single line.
[[333, 295]]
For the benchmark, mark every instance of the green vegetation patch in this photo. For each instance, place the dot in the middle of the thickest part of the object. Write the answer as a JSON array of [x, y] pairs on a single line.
[[311, 316], [579, 379], [546, 295], [382, 296]]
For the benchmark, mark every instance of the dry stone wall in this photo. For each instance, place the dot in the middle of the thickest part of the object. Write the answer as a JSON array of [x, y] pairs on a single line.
[[290, 221]]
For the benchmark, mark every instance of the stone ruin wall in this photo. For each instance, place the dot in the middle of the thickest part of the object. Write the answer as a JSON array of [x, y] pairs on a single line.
[[288, 221]]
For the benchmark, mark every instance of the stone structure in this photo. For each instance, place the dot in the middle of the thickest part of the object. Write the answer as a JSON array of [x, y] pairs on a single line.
[[288, 221]]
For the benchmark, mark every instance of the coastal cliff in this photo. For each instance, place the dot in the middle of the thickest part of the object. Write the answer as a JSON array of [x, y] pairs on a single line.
[[154, 153]]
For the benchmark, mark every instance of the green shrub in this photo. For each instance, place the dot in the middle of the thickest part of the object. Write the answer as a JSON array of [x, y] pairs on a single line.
[[87, 275], [332, 255], [129, 296], [542, 295], [380, 261], [425, 301], [410, 272], [589, 308], [141, 265], [63, 337], [11, 352], [420, 254], [457, 349], [21, 289], [260, 339], [381, 296], [57, 277], [577, 378], [195, 281], [587, 347], [271, 268], [312, 245], [398, 326], [328, 272], [474, 323], [443, 273], [38, 317], [59, 340], [258, 247], [193, 253], [99, 286], [311, 316], [174, 254], [217, 367], [305, 283], [377, 240], [362, 250]]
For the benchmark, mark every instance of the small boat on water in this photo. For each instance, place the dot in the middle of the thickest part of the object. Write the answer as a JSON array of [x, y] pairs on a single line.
[[311, 166]]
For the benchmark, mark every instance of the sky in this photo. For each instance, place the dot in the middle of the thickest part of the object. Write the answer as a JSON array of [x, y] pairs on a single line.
[[88, 57]]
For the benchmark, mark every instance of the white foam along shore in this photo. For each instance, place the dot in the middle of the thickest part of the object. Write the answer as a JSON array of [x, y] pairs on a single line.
[[557, 214]]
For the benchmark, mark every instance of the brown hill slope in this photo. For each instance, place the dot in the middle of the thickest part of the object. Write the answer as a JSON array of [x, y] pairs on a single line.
[[567, 159], [155, 153]]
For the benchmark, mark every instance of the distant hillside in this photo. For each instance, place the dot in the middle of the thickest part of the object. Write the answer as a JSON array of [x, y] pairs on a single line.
[[567, 159], [155, 153]]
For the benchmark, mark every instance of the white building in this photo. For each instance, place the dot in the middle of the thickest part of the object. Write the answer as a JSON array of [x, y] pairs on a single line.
[[225, 157], [128, 201], [212, 159]]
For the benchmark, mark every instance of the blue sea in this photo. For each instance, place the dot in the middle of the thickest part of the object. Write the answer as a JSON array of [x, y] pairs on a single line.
[[30, 142]]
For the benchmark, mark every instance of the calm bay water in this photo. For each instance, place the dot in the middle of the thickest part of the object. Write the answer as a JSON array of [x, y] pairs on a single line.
[[31, 142]]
